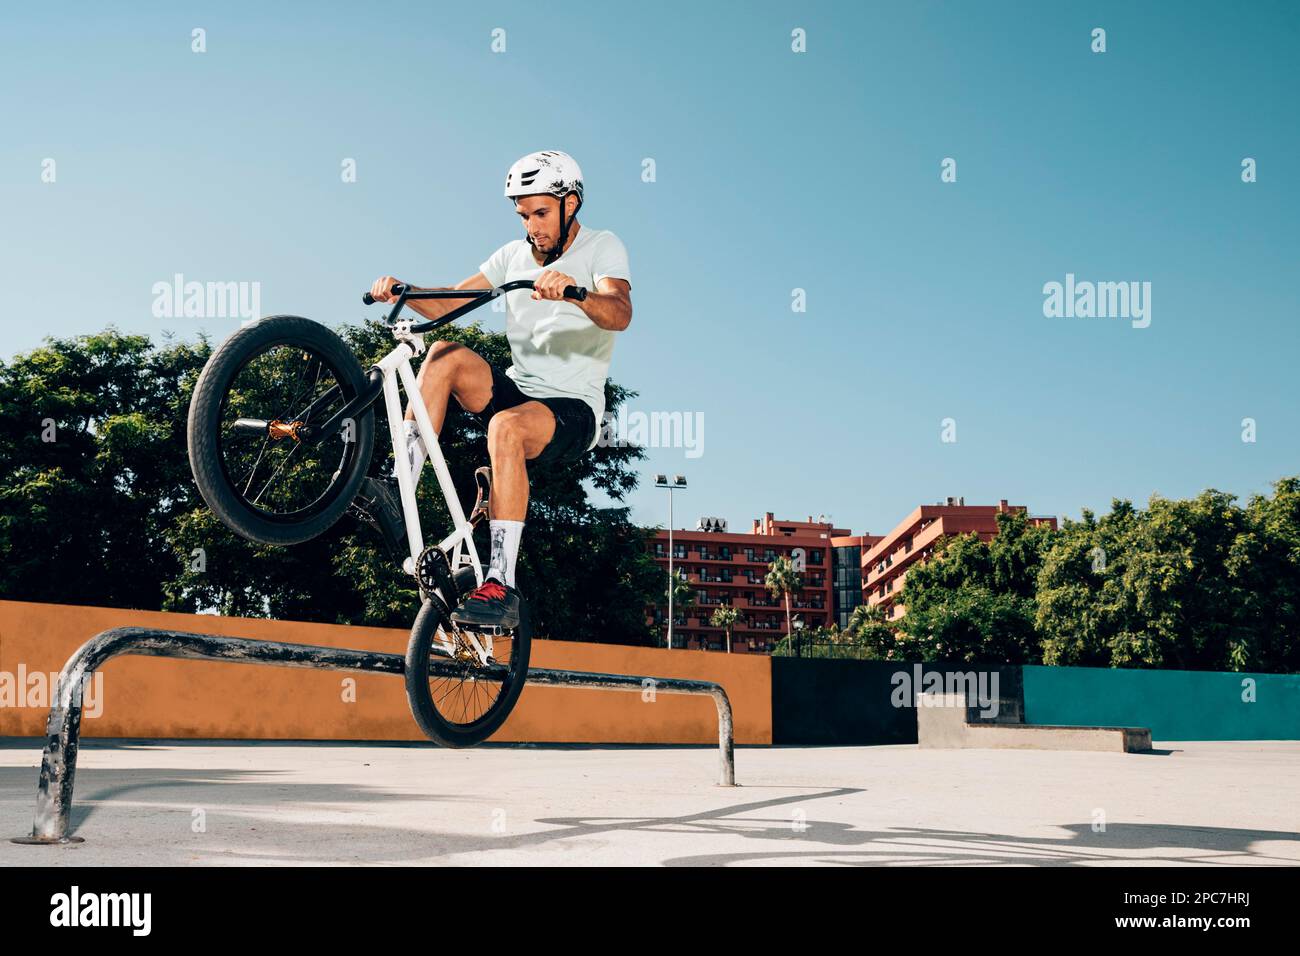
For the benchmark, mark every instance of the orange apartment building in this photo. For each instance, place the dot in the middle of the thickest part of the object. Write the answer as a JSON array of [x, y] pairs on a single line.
[[729, 568], [842, 570], [885, 565]]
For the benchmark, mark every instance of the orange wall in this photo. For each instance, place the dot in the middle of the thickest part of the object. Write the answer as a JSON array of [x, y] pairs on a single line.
[[153, 697]]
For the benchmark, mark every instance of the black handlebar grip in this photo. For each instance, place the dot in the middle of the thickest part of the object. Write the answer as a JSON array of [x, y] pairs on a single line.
[[575, 292], [398, 289]]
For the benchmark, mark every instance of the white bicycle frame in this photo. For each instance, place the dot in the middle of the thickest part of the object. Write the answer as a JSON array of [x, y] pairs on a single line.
[[397, 365]]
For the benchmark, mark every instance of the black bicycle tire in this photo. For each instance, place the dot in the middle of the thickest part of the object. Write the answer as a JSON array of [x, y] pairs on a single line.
[[204, 419], [418, 695]]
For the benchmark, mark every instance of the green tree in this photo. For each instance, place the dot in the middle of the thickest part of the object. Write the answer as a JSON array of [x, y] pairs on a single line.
[[1081, 599], [725, 618], [92, 434], [973, 601], [1265, 560], [869, 629], [1196, 584], [683, 597], [98, 505], [782, 581]]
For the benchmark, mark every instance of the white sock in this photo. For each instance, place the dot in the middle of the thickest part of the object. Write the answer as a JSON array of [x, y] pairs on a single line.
[[505, 548], [415, 451]]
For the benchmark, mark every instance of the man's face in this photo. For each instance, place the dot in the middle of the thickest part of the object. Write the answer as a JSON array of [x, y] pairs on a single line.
[[541, 218]]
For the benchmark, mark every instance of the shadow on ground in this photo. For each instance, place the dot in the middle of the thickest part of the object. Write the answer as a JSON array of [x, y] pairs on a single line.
[[256, 831]]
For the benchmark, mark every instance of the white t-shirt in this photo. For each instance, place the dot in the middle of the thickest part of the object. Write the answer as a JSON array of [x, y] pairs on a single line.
[[557, 352]]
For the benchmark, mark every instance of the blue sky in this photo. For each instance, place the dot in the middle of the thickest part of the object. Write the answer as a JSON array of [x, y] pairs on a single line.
[[775, 171]]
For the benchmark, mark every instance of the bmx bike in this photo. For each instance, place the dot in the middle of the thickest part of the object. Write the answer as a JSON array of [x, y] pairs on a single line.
[[281, 431]]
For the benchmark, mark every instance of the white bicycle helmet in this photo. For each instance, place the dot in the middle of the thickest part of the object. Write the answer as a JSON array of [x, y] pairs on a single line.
[[548, 172]]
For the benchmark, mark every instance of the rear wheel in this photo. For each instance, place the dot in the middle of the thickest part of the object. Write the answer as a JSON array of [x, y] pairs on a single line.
[[468, 703], [253, 410]]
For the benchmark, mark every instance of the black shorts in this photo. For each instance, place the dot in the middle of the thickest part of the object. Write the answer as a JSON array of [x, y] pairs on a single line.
[[575, 422]]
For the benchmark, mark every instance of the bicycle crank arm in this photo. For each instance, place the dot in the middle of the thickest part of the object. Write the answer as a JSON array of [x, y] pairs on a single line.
[[483, 479]]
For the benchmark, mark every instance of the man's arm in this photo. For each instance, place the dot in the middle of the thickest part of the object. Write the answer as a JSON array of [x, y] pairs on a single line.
[[609, 305], [429, 308]]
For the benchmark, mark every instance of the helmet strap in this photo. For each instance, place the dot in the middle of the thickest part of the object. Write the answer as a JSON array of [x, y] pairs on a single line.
[[564, 236]]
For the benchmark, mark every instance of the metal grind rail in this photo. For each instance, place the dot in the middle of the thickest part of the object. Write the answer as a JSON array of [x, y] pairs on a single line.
[[63, 730]]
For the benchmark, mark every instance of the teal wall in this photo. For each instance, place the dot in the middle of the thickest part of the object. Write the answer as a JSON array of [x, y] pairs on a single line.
[[1176, 705]]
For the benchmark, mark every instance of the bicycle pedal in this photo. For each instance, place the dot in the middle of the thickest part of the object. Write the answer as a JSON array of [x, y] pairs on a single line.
[[483, 482], [487, 630]]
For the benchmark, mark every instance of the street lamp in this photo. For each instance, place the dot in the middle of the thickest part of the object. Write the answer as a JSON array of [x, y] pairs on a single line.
[[679, 481]]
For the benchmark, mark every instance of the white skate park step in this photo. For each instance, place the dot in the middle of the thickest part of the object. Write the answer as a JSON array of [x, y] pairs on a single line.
[[945, 721]]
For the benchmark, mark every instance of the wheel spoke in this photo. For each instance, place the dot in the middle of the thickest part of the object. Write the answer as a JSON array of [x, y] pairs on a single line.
[[252, 471], [467, 698], [302, 387], [276, 472], [290, 415]]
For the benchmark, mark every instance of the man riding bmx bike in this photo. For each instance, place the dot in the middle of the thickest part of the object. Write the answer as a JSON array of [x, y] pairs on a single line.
[[546, 408]]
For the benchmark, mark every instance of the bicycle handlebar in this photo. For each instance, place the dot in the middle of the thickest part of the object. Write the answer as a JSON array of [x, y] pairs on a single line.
[[478, 297], [575, 292]]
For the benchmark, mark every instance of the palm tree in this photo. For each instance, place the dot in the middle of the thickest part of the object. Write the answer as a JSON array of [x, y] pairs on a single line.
[[724, 617], [870, 631], [860, 616], [782, 581], [683, 592]]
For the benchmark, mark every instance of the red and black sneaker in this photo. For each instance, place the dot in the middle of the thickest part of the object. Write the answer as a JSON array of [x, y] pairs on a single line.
[[492, 606]]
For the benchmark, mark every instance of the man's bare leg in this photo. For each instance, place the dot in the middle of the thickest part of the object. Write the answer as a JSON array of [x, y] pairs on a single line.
[[514, 436], [450, 368]]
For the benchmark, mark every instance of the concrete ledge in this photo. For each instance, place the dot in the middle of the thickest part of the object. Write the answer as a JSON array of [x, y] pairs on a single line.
[[944, 721]]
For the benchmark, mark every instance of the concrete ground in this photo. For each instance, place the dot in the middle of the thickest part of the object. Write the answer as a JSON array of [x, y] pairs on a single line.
[[230, 804]]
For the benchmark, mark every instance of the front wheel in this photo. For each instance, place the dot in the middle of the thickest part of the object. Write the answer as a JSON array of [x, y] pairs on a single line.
[[468, 701], [251, 421]]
